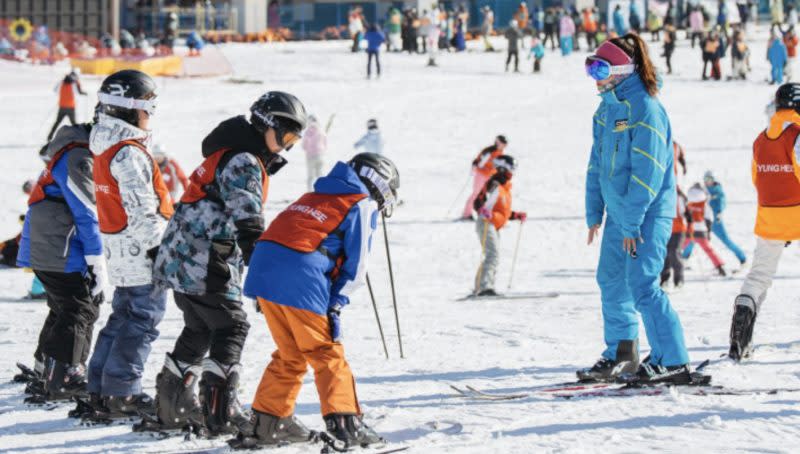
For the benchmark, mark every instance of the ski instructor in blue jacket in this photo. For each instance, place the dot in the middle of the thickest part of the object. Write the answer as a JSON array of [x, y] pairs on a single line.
[[631, 179]]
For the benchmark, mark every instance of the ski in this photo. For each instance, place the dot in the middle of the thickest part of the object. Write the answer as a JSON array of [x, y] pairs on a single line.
[[690, 390], [511, 296], [565, 387]]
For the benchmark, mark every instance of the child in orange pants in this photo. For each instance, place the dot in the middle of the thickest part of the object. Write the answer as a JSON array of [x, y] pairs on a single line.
[[303, 270]]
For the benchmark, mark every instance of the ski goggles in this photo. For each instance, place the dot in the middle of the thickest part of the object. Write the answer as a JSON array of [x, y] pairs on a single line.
[[599, 69], [147, 105], [286, 132]]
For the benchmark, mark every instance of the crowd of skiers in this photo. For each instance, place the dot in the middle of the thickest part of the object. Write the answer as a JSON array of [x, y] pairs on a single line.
[[111, 209]]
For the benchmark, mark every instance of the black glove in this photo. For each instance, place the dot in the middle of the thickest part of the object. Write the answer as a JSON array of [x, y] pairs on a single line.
[[152, 253]]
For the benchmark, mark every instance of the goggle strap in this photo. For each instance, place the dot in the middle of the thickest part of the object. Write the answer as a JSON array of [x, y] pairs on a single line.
[[383, 187], [622, 69], [148, 105]]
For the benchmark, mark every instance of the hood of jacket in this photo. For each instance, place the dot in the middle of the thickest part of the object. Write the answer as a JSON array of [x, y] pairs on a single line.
[[65, 136], [237, 134], [109, 131], [342, 179]]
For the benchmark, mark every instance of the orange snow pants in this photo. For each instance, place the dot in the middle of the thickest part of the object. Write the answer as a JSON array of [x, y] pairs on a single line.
[[303, 338]]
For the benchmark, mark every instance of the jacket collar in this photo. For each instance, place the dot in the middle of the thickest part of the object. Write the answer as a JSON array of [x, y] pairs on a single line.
[[109, 131]]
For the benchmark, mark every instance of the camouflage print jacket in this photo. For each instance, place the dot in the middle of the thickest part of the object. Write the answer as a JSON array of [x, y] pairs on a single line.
[[208, 241]]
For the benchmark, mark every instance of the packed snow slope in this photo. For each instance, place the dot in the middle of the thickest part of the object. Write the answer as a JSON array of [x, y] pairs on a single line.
[[434, 121]]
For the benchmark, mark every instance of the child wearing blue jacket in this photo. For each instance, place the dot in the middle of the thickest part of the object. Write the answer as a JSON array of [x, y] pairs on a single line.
[[631, 182], [304, 269], [777, 56]]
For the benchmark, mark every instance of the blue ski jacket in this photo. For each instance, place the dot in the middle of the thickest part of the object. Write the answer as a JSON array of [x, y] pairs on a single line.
[[630, 174], [718, 200]]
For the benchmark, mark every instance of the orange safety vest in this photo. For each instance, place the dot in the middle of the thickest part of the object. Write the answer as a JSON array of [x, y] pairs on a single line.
[[46, 177], [501, 211], [203, 177], [308, 221], [110, 210], [776, 176], [66, 96]]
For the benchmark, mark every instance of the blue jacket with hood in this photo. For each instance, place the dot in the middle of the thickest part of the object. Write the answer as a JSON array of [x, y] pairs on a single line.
[[630, 173], [302, 279]]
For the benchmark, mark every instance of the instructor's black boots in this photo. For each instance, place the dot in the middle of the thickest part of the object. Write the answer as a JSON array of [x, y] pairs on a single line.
[[269, 430], [218, 397], [607, 370], [744, 319], [351, 430], [176, 401]]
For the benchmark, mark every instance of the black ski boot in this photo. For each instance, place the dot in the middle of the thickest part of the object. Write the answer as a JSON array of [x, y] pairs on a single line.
[[350, 430], [268, 430], [177, 405], [488, 292], [87, 407], [744, 319], [218, 397], [608, 370], [121, 407], [61, 382]]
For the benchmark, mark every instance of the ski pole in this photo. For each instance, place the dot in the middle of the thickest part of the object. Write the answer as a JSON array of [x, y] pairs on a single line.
[[483, 256], [458, 196], [377, 317], [514, 260], [330, 123], [391, 282]]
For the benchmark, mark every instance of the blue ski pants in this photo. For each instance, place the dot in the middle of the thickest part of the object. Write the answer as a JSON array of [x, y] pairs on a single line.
[[123, 345], [719, 230], [630, 287]]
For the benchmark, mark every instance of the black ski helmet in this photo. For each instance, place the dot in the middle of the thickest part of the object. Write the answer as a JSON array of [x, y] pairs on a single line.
[[278, 110], [506, 162], [380, 176], [372, 123], [124, 92], [788, 96]]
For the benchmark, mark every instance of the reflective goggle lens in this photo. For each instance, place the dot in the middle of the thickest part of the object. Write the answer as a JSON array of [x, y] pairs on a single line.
[[598, 69]]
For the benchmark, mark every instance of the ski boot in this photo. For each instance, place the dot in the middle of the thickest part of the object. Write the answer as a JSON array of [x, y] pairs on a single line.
[[347, 431], [27, 374], [177, 405], [488, 292], [608, 370], [218, 397], [113, 408], [268, 430], [654, 374], [61, 382], [744, 319], [85, 408], [721, 271]]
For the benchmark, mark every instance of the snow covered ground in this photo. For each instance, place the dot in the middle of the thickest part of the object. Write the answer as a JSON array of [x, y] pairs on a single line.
[[435, 121]]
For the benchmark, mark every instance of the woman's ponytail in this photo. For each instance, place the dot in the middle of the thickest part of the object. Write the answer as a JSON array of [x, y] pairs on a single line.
[[636, 48]]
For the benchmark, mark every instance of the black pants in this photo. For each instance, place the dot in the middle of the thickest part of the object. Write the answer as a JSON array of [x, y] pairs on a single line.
[[211, 323], [550, 35], [673, 264], [668, 50], [356, 42], [513, 54], [591, 40], [67, 332], [698, 36], [537, 65], [69, 113], [376, 55]]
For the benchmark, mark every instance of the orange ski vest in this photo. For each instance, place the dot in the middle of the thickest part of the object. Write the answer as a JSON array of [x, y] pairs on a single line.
[[46, 177], [203, 177], [775, 174], [679, 222], [66, 96], [110, 211], [308, 221]]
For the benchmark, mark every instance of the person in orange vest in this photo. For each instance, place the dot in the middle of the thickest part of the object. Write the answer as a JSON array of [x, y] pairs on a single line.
[[493, 205], [482, 170], [67, 89], [133, 207], [790, 40], [776, 176], [171, 172], [701, 217], [522, 16], [202, 257], [304, 270], [673, 264], [590, 28]]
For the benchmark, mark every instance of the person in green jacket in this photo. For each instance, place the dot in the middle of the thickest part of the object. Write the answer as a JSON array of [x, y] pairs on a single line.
[[394, 43]]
